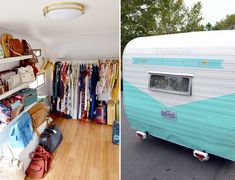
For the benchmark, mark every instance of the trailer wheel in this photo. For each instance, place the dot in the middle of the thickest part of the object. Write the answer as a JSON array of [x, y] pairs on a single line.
[[142, 135]]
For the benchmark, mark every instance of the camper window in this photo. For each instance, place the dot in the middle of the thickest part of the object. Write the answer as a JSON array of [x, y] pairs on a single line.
[[171, 83]]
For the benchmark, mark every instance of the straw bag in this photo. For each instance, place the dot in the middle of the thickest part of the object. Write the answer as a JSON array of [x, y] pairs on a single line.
[[10, 167], [1, 52], [5, 38]]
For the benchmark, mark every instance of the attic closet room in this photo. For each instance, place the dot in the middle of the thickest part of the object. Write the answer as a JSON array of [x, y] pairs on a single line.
[[59, 90]]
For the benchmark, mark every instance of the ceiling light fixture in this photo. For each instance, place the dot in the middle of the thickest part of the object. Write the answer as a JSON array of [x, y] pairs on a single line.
[[64, 10]]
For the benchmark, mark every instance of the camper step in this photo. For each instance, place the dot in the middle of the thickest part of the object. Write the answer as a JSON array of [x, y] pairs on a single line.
[[202, 156], [142, 135]]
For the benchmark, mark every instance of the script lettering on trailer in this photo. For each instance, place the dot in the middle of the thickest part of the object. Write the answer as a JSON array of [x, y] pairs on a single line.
[[169, 115]]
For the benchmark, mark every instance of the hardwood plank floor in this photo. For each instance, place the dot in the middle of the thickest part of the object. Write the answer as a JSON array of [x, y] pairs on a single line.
[[86, 152]]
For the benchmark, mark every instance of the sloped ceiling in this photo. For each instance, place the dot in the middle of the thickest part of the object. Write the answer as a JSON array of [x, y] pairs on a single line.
[[101, 17]]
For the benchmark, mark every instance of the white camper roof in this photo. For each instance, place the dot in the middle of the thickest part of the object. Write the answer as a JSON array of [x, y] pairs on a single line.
[[225, 38]]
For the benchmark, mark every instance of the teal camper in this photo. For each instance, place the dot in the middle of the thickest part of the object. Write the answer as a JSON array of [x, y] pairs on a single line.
[[181, 88]]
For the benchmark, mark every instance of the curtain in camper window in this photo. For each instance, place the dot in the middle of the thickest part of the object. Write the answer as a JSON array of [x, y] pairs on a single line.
[[170, 83]]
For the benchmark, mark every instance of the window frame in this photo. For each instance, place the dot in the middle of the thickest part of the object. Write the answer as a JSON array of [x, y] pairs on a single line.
[[189, 76]]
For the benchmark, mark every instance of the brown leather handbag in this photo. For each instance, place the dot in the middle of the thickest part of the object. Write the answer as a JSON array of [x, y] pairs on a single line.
[[28, 51], [40, 163], [5, 38], [16, 47]]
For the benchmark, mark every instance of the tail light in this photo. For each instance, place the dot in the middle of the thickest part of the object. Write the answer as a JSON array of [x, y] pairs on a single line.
[[141, 135], [202, 156]]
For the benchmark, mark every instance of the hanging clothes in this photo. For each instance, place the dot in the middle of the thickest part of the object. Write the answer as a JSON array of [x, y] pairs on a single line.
[[74, 88], [101, 87], [115, 82], [93, 83]]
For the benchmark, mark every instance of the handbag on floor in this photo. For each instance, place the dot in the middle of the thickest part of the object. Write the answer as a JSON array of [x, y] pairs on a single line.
[[40, 163], [51, 138], [21, 133], [10, 167], [101, 113]]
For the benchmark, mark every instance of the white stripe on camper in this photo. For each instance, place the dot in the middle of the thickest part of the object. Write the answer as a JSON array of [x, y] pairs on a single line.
[[207, 82]]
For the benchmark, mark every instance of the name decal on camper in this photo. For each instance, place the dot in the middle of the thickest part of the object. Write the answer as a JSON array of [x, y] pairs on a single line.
[[169, 115], [180, 62]]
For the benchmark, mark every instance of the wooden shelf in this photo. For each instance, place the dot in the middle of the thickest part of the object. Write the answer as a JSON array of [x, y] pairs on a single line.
[[5, 127], [14, 59], [8, 93]]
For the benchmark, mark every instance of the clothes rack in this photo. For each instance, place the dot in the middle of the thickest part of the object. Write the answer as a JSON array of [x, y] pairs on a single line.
[[85, 58], [77, 82]]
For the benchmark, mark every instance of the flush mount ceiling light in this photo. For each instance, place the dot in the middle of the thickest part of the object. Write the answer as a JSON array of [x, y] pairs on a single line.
[[64, 10]]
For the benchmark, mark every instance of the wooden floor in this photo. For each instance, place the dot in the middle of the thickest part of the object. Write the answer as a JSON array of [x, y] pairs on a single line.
[[86, 152]]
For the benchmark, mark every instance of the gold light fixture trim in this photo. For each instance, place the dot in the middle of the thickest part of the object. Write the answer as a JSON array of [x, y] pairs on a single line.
[[63, 5]]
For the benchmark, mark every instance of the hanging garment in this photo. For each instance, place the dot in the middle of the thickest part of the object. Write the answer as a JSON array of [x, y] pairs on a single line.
[[86, 92], [62, 89], [55, 79], [103, 73], [74, 92], [94, 80], [68, 92], [89, 72], [114, 74], [83, 100], [115, 90], [78, 91]]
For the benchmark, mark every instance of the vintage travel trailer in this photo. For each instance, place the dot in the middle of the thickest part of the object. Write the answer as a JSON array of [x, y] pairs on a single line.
[[181, 88]]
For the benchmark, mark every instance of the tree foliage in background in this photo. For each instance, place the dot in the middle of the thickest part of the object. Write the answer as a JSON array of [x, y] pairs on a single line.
[[137, 19], [208, 27], [155, 17], [225, 24]]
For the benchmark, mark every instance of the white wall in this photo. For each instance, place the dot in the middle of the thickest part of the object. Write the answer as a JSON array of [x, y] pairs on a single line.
[[87, 45]]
